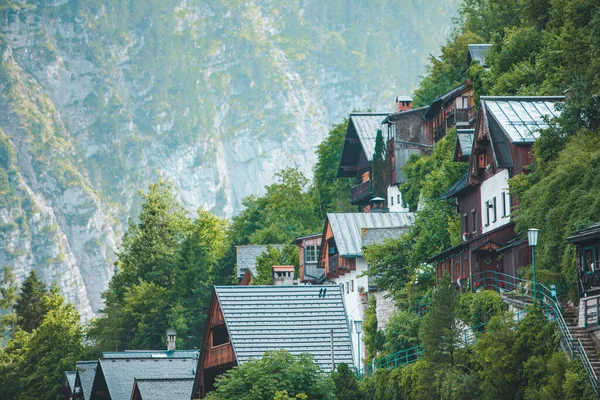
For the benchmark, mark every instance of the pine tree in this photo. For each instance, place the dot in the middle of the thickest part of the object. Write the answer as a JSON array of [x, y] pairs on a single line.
[[8, 298], [380, 172], [30, 307]]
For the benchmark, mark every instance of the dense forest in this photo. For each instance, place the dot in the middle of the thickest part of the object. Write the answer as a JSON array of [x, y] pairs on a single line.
[[168, 259]]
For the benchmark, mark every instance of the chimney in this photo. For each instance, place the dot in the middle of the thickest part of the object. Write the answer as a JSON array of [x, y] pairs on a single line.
[[283, 275], [171, 339], [404, 103]]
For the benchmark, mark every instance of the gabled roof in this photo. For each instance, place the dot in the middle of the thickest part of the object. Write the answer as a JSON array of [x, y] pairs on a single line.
[[521, 117], [71, 375], [347, 228], [360, 138], [86, 371], [373, 236], [152, 354], [477, 53], [247, 255], [400, 115], [591, 232], [119, 373], [367, 125], [440, 101], [298, 319], [464, 141], [164, 388]]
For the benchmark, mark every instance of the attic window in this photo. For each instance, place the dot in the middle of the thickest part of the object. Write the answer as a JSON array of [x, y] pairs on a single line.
[[220, 335]]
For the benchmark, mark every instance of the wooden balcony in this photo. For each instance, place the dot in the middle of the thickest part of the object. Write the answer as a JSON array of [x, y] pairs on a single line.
[[361, 192], [333, 263], [464, 116], [219, 355]]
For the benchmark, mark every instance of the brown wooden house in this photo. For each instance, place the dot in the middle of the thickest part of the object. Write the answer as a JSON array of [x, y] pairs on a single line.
[[246, 321], [308, 256], [455, 108], [587, 244], [68, 385], [501, 148]]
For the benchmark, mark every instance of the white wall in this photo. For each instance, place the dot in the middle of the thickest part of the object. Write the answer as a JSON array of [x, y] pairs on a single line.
[[495, 187], [353, 303], [394, 200]]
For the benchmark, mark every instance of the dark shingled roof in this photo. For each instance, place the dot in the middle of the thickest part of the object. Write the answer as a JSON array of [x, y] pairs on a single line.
[[591, 232], [457, 187], [152, 354], [86, 371], [165, 388], [70, 376], [247, 255], [298, 319], [367, 125], [477, 53], [119, 373]]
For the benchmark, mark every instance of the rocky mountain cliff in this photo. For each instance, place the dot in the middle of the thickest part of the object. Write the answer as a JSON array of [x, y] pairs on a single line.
[[100, 97]]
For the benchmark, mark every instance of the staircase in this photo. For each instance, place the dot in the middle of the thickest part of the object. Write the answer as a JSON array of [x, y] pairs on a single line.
[[571, 317]]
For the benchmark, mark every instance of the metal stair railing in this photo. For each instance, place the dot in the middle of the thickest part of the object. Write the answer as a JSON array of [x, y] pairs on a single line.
[[507, 284]]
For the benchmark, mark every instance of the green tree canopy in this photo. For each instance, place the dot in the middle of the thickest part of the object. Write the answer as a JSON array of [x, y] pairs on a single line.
[[30, 308], [276, 371]]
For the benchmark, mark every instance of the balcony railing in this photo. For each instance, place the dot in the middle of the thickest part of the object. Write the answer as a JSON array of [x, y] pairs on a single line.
[[464, 115], [362, 191]]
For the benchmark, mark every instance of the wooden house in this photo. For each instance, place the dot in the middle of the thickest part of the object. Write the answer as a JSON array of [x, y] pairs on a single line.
[[246, 321], [246, 260], [68, 385], [357, 156], [308, 257], [587, 245], [501, 148], [454, 108]]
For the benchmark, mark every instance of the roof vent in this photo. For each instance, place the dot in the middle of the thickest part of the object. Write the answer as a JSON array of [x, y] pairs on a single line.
[[171, 339], [283, 275]]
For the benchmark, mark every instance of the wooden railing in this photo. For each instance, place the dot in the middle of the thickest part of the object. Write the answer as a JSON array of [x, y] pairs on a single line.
[[219, 355], [334, 263], [361, 191], [463, 114]]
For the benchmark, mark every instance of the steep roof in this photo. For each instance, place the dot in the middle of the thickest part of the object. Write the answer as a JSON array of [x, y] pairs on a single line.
[[457, 186], [347, 228], [298, 319], [70, 379], [119, 373], [477, 53], [521, 117], [246, 257], [367, 125], [379, 235], [86, 371], [165, 388]]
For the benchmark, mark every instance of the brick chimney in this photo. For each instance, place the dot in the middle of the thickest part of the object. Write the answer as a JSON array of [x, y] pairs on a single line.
[[404, 103], [283, 275], [171, 339]]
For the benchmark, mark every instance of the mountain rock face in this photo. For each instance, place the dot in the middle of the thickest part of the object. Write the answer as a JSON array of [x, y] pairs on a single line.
[[100, 97]]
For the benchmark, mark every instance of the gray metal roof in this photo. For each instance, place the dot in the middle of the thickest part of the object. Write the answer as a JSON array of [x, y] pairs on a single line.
[[119, 373], [379, 235], [477, 53], [457, 186], [247, 255], [347, 228], [293, 318], [591, 232], [152, 354], [464, 138], [71, 375], [521, 117], [161, 389], [366, 126], [86, 371]]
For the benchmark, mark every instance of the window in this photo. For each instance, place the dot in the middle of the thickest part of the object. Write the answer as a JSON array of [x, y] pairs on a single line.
[[589, 260], [347, 287], [311, 253], [465, 102], [474, 217], [352, 285], [398, 199], [392, 200], [465, 223], [495, 214], [503, 204], [487, 213], [219, 335]]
